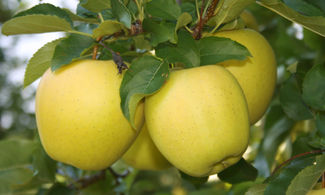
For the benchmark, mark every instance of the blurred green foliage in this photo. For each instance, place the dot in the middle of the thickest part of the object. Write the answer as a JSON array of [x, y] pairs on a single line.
[[25, 168]]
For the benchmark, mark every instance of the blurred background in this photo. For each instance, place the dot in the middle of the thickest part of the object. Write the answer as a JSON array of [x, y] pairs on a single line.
[[17, 103], [290, 42]]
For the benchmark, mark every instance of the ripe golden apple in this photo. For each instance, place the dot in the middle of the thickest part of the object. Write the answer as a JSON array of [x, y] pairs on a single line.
[[143, 154], [257, 74], [249, 20], [199, 120], [317, 192], [78, 115]]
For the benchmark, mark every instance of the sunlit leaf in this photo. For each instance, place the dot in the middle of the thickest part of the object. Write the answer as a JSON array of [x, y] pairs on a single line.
[[108, 27], [35, 24], [96, 5], [40, 62], [227, 10], [46, 9]]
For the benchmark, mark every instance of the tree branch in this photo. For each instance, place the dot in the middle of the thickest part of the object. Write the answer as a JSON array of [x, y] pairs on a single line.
[[294, 157], [85, 182], [197, 32]]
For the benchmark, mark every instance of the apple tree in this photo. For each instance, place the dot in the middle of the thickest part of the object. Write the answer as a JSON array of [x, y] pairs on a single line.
[[150, 40]]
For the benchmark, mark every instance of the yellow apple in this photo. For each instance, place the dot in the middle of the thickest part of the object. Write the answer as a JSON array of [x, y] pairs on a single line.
[[199, 120], [143, 154], [249, 20], [316, 192], [78, 115], [257, 74]]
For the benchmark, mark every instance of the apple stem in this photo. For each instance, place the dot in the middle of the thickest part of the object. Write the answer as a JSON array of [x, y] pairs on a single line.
[[197, 31], [116, 56], [95, 50], [294, 157]]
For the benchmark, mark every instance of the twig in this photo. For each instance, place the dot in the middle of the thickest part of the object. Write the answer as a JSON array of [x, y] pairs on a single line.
[[116, 56], [294, 157], [197, 32], [85, 182], [95, 50]]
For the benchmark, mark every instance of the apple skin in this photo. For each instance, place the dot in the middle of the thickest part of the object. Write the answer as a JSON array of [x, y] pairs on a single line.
[[257, 74], [199, 120], [144, 155], [317, 192], [78, 115]]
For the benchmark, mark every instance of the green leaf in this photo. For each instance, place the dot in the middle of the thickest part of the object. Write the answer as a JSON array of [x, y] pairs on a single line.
[[313, 23], [185, 52], [40, 62], [256, 190], [291, 101], [317, 142], [44, 167], [182, 21], [141, 42], [228, 10], [196, 181], [164, 9], [207, 51], [46, 9], [11, 178], [305, 7], [60, 189], [160, 32], [145, 76], [16, 157], [75, 17], [216, 49], [279, 183], [320, 123], [96, 5], [307, 178], [121, 12], [35, 24], [277, 127], [108, 27], [314, 87], [16, 152], [70, 49], [240, 172]]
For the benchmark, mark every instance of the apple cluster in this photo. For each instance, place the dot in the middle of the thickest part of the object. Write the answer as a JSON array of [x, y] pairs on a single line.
[[198, 122]]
